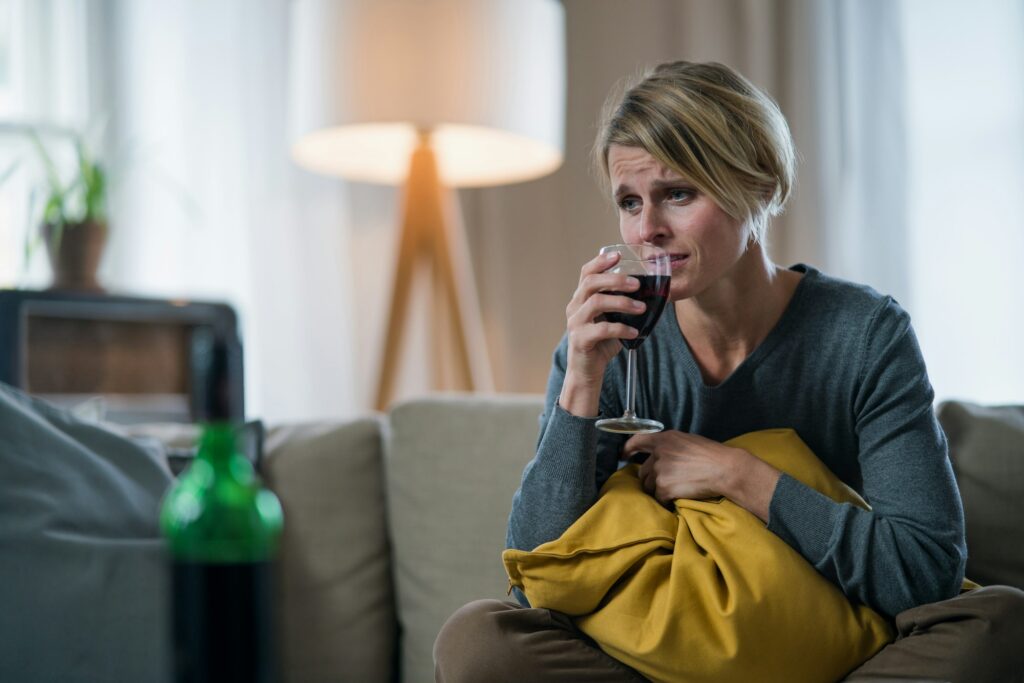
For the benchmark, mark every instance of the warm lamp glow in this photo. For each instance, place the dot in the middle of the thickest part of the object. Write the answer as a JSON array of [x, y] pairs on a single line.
[[379, 153], [430, 94], [485, 78]]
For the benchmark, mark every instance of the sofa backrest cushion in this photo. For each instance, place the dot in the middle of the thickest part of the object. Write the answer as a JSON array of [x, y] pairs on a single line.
[[986, 445], [453, 463], [336, 603]]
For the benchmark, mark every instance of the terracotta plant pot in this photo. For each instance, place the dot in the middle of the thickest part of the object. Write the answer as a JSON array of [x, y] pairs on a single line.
[[75, 253]]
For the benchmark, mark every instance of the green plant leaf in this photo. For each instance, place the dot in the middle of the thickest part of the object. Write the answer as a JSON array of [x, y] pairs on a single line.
[[96, 194], [93, 184], [83, 198], [53, 210], [54, 207], [32, 233]]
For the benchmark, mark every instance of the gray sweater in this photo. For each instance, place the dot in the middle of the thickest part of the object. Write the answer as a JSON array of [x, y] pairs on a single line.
[[843, 368]]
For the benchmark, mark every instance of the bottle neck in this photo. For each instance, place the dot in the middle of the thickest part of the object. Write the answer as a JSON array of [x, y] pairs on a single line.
[[217, 444]]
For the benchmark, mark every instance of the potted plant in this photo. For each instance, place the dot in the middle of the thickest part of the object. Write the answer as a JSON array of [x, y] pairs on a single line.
[[74, 218]]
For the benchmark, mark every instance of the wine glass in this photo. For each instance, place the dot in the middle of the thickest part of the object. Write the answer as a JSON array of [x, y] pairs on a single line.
[[652, 267]]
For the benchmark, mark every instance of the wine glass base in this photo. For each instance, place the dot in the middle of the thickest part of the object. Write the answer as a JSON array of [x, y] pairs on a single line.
[[629, 425]]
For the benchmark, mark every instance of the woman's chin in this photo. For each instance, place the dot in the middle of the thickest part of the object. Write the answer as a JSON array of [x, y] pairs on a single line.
[[680, 288], [679, 294]]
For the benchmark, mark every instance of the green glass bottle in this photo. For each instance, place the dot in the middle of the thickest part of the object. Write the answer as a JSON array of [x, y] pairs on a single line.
[[222, 529]]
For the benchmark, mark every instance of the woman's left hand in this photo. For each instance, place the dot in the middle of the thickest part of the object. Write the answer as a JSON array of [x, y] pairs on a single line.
[[682, 465]]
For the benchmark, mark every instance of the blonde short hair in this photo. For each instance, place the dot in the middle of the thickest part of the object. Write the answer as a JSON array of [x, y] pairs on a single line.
[[712, 126]]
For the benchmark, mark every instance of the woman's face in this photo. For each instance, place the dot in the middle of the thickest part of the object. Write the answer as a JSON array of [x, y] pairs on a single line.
[[658, 206]]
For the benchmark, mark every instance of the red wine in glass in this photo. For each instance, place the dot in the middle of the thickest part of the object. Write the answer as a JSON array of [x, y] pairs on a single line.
[[653, 291], [652, 267]]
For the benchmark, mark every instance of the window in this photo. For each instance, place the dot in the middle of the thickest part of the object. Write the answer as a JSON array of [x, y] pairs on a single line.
[[965, 142], [12, 184], [43, 84], [10, 16]]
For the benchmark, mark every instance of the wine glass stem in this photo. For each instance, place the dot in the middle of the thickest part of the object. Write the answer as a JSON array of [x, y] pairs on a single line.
[[630, 384]]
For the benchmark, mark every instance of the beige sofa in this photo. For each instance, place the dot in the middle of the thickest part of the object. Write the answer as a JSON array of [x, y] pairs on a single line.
[[393, 522]]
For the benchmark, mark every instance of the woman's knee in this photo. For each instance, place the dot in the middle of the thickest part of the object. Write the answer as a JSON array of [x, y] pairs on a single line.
[[989, 632], [1003, 608], [469, 641]]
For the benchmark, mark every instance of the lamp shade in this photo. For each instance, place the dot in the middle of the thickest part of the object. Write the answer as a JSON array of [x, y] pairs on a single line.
[[485, 79]]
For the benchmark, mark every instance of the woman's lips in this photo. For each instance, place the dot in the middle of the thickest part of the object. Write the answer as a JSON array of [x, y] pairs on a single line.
[[678, 260]]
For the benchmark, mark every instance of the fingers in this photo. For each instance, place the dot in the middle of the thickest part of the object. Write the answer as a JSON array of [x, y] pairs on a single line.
[[593, 340], [669, 441], [594, 268], [587, 327], [646, 475], [606, 283], [638, 458], [599, 264], [640, 443], [681, 465], [587, 336], [589, 309], [593, 299], [594, 279]]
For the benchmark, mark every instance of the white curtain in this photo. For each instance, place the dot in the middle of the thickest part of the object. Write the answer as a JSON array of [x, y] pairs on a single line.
[[908, 120], [965, 106], [908, 117], [530, 240], [920, 138], [861, 148], [46, 84], [210, 205]]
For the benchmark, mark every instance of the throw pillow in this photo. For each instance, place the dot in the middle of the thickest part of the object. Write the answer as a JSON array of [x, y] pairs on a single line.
[[986, 445], [83, 579], [703, 592]]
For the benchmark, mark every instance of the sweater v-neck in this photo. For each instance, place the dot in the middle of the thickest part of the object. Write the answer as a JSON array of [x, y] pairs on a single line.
[[762, 351]]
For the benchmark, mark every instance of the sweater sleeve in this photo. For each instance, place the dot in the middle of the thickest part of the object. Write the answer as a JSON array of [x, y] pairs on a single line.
[[572, 461], [909, 548]]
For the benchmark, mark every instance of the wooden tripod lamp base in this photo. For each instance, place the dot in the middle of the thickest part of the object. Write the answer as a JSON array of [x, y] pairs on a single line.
[[493, 101], [425, 240]]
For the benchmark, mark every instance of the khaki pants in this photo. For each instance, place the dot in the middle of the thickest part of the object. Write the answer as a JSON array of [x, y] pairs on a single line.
[[977, 637]]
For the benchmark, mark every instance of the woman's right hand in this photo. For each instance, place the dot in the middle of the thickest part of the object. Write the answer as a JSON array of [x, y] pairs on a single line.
[[593, 341]]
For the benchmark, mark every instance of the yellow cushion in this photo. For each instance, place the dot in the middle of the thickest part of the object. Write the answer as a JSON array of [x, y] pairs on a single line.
[[704, 592]]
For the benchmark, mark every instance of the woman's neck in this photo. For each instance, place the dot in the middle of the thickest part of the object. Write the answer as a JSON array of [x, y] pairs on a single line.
[[726, 322]]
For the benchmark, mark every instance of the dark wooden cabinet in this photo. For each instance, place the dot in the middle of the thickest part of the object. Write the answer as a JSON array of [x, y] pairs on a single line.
[[132, 355]]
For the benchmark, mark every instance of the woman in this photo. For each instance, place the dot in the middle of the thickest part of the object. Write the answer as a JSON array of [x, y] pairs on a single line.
[[698, 160]]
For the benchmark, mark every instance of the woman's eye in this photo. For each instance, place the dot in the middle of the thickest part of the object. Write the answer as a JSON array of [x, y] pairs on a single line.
[[680, 195], [629, 204]]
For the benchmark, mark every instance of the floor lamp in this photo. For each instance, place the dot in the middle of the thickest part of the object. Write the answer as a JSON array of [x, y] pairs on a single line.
[[430, 95]]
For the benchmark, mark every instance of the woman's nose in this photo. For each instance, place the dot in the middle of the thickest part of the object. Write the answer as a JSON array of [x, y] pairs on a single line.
[[653, 227]]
